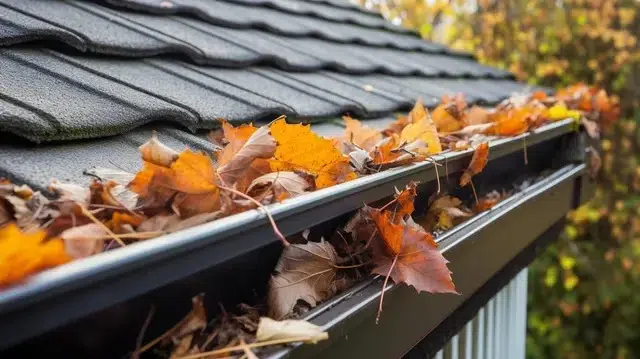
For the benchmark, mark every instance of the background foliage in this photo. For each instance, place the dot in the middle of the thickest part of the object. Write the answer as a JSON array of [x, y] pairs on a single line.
[[585, 290]]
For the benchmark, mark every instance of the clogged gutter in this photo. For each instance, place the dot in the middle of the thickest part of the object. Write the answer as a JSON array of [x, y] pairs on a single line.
[[253, 167]]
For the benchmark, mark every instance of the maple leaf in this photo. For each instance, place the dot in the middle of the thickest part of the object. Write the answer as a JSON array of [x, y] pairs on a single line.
[[404, 201], [300, 149], [478, 161], [190, 182], [489, 200], [360, 135], [260, 145], [410, 255], [422, 128], [23, 254], [304, 272], [477, 116]]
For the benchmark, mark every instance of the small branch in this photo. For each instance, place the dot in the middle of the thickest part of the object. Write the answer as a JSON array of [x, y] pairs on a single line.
[[143, 330], [136, 235], [249, 346], [526, 156], [266, 212], [475, 194], [384, 285], [106, 229], [435, 166]]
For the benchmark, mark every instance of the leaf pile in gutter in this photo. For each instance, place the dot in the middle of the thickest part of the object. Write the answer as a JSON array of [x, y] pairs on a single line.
[[253, 167]]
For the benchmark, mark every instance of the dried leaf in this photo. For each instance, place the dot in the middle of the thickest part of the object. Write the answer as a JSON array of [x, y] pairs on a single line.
[[510, 123], [478, 161], [304, 272], [448, 116], [23, 254], [477, 116], [156, 152], [282, 184], [419, 263], [235, 137], [120, 191], [260, 145], [389, 153], [591, 127], [444, 212], [300, 149], [489, 200], [404, 201], [360, 135], [559, 111], [70, 192], [84, 241], [422, 128], [396, 126], [269, 329]]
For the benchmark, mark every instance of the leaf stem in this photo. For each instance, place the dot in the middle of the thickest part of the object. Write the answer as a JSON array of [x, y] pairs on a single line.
[[97, 221], [384, 285], [266, 212], [475, 194]]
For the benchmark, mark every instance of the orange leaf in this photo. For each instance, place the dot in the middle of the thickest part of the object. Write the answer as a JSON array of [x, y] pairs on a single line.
[[404, 201], [300, 149], [419, 262], [23, 254], [396, 126], [192, 176], [360, 135], [510, 123], [236, 138], [449, 115], [388, 153], [422, 128], [478, 161]]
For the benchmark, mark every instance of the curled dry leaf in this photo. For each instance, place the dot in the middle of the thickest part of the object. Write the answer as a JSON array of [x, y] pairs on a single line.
[[304, 272], [477, 116], [300, 149], [281, 184], [449, 115], [269, 329], [260, 145], [360, 135], [182, 334], [478, 161], [422, 128], [489, 200], [235, 138], [70, 192], [23, 254], [156, 152], [396, 126], [510, 122], [390, 153], [591, 127], [119, 190], [444, 212], [84, 241]]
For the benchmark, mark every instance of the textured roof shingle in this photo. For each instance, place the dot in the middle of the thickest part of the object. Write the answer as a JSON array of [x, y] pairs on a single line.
[[77, 72]]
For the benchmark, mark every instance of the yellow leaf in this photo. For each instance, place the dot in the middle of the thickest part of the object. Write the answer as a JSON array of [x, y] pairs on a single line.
[[570, 282], [567, 263], [23, 254], [560, 111], [423, 128], [300, 149]]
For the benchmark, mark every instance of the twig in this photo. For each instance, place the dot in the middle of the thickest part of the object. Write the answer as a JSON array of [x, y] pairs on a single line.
[[247, 351], [435, 166], [136, 235], [106, 229], [250, 346], [384, 285], [475, 194], [526, 157], [266, 212], [143, 330]]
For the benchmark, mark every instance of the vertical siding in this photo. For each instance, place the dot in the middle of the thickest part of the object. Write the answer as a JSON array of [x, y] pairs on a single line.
[[499, 329]]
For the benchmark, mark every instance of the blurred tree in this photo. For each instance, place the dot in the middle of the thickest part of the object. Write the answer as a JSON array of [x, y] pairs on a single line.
[[583, 290]]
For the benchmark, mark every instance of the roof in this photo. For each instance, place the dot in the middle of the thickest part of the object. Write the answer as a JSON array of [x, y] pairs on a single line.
[[83, 83]]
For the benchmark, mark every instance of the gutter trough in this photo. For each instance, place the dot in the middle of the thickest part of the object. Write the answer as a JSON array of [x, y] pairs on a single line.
[[205, 258]]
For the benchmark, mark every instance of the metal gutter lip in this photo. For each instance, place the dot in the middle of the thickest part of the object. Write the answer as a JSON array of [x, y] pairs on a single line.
[[355, 307], [74, 290]]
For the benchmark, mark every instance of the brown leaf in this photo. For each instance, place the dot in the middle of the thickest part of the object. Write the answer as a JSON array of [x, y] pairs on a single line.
[[478, 161], [235, 137], [156, 152], [360, 135], [260, 145], [591, 127], [476, 116], [419, 263], [84, 241], [397, 126], [390, 153], [444, 212], [282, 184], [304, 272], [194, 321], [120, 191], [70, 192]]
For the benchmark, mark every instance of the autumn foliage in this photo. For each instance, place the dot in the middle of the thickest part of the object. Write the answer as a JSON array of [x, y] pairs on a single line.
[[251, 167]]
